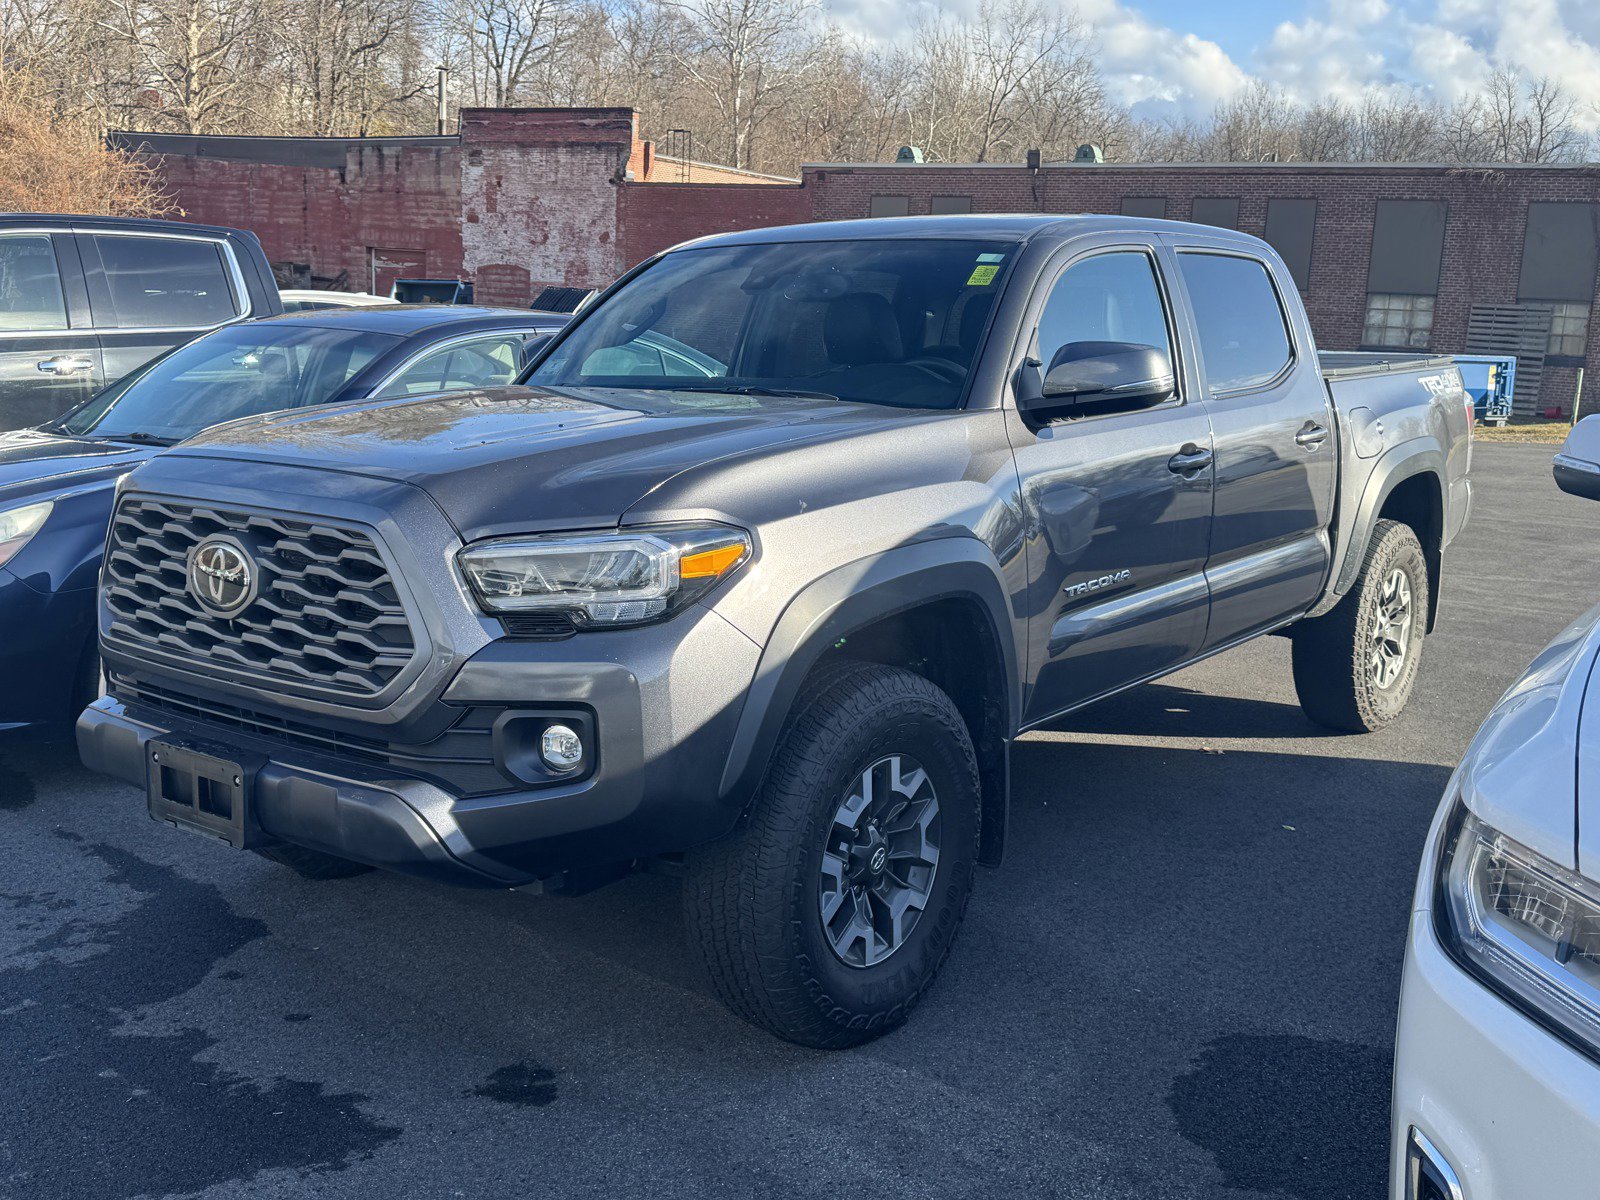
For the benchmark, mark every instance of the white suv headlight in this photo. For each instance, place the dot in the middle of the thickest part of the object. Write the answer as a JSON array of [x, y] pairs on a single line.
[[604, 580], [17, 525], [1526, 926]]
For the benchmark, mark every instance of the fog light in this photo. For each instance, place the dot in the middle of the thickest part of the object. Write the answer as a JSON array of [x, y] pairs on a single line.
[[561, 748]]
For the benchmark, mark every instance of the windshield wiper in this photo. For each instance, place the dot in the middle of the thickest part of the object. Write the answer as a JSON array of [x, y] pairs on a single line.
[[751, 389], [139, 438]]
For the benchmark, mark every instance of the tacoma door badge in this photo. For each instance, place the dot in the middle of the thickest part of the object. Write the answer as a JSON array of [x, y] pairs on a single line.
[[1094, 585]]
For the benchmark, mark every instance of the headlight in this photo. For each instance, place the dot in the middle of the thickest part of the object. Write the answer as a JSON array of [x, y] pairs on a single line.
[[17, 525], [605, 580], [1527, 926]]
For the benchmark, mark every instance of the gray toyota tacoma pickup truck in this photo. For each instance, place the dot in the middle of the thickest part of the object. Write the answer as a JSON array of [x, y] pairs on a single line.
[[756, 579]]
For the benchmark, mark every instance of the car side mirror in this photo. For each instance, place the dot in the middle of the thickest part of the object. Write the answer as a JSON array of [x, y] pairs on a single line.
[[1092, 378], [1577, 467]]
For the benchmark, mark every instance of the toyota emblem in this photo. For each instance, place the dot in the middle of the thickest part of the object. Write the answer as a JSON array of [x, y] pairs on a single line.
[[222, 577]]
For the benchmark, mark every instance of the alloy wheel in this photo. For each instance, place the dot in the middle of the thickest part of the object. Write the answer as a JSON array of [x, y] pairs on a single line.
[[880, 860]]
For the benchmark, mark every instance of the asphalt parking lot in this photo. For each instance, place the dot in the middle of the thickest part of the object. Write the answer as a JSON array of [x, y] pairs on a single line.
[[1181, 983]]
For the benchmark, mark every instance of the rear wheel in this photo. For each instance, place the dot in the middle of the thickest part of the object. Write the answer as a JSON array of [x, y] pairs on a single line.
[[1354, 668], [314, 864], [826, 917]]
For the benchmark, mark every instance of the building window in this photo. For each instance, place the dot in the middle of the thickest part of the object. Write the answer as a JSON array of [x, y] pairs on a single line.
[[1401, 322], [1291, 229], [1221, 211], [1569, 329], [890, 206], [946, 205], [1152, 208]]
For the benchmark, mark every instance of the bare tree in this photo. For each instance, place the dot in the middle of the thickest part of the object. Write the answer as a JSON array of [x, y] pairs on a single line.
[[196, 54], [744, 56]]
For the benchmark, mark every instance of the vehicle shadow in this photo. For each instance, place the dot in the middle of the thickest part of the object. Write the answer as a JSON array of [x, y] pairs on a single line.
[[1172, 710]]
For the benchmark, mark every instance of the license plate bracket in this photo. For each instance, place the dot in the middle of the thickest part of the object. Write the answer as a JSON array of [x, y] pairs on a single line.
[[205, 788]]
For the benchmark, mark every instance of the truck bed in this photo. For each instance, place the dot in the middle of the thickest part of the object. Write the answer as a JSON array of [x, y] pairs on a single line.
[[1350, 364]]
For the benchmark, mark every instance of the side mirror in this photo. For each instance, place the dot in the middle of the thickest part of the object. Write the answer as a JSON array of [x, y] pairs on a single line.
[[1089, 378], [1577, 467]]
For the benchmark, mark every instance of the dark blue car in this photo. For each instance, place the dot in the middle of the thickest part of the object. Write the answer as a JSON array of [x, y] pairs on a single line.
[[57, 481]]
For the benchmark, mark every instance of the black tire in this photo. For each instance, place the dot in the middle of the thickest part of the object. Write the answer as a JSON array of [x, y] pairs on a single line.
[[1334, 673], [314, 864], [753, 900]]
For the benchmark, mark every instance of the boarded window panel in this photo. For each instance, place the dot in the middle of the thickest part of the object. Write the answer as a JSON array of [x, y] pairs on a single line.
[[1291, 229], [1152, 207], [1221, 211], [1407, 245], [890, 206], [944, 205], [1559, 252]]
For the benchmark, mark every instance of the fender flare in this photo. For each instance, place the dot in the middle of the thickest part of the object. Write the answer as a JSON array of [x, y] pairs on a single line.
[[1420, 456], [848, 599]]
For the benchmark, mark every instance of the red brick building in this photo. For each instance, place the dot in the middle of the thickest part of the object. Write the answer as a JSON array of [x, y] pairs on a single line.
[[1450, 259]]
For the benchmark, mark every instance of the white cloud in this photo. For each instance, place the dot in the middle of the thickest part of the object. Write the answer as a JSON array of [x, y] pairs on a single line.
[[1334, 48]]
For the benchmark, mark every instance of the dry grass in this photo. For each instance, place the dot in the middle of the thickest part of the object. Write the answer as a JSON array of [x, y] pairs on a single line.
[[1542, 433]]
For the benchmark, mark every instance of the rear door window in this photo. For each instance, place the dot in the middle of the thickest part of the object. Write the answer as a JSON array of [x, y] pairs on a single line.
[[164, 283], [30, 285], [1244, 335]]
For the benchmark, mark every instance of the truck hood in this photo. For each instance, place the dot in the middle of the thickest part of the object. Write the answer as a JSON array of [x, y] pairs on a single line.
[[37, 465], [1533, 770], [522, 460]]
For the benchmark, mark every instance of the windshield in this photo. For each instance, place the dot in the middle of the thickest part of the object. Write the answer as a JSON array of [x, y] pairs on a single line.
[[239, 371], [895, 322]]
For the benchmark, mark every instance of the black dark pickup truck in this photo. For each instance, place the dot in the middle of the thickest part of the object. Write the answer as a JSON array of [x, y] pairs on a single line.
[[787, 538], [86, 300]]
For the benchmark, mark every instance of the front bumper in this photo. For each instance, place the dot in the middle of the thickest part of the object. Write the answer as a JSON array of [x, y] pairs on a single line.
[[1514, 1111], [661, 730]]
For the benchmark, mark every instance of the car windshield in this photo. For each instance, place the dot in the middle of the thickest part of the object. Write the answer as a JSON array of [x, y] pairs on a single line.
[[896, 321], [239, 371]]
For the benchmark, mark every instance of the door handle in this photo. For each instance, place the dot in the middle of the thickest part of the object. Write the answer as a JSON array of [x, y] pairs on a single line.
[[1312, 436], [66, 364], [1189, 461]]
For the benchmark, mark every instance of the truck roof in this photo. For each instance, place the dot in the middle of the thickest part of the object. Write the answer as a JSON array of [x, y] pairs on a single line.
[[996, 227], [122, 224]]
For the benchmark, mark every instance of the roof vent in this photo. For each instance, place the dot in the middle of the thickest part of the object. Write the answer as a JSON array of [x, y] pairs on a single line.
[[908, 154], [1089, 153]]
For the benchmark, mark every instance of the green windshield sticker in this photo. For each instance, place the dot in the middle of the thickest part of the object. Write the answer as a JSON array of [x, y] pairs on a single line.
[[982, 276]]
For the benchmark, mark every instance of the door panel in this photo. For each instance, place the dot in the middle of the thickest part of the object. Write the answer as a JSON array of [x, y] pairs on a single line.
[[1116, 537], [42, 377], [1275, 448], [45, 366]]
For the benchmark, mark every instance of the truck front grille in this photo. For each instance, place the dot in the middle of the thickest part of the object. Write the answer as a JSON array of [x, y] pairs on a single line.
[[326, 613]]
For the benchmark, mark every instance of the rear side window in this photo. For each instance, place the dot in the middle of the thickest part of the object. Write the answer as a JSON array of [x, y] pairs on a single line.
[[1244, 336], [30, 285], [162, 282], [483, 362]]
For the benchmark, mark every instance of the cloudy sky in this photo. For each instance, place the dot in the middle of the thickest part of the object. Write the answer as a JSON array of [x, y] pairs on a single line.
[[1182, 56]]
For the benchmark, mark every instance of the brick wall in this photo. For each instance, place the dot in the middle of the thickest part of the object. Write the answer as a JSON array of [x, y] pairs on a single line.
[[1482, 253], [381, 200], [653, 216]]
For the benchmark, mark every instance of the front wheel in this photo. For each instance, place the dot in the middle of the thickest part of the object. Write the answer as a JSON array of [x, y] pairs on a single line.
[[826, 916], [1354, 667]]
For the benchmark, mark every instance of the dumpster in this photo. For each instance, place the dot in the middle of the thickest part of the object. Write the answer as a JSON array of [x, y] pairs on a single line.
[[1490, 379], [432, 291]]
